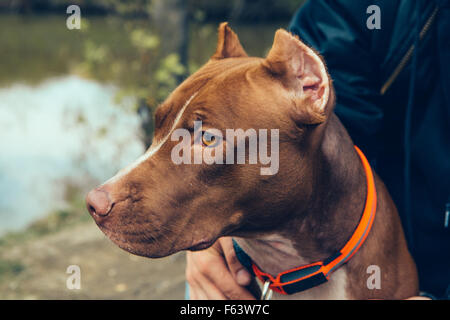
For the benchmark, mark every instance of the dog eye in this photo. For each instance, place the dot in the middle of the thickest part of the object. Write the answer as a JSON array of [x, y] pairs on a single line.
[[209, 139]]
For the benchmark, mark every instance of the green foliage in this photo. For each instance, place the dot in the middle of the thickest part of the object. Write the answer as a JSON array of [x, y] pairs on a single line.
[[94, 53], [167, 75], [146, 75], [143, 40]]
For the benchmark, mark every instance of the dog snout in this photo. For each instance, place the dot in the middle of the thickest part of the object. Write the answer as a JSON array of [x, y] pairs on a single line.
[[99, 202]]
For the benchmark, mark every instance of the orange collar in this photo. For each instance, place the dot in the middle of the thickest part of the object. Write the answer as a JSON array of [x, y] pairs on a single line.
[[311, 275]]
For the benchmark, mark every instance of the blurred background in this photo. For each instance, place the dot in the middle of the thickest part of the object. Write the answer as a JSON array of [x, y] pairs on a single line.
[[75, 107]]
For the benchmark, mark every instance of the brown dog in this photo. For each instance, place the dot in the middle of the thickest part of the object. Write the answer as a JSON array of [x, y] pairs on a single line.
[[305, 212]]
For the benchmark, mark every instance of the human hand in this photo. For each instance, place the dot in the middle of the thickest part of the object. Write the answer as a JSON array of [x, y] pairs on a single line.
[[216, 273]]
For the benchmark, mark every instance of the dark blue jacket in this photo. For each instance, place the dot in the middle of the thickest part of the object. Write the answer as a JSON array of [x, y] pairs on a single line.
[[393, 96]]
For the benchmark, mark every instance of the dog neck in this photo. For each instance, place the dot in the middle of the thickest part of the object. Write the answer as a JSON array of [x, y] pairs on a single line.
[[332, 214]]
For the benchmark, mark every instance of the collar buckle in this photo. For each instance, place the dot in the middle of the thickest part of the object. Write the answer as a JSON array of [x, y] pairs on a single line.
[[266, 292]]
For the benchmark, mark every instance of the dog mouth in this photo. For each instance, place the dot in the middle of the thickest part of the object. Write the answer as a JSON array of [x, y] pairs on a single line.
[[152, 239], [202, 245], [157, 246]]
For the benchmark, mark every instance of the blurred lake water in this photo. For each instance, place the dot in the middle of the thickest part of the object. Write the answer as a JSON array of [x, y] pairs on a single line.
[[63, 131], [68, 99]]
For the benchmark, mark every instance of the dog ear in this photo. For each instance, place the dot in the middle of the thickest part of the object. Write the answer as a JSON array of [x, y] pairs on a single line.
[[303, 74], [228, 45]]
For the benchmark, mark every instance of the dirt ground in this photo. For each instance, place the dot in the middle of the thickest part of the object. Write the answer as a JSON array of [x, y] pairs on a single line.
[[107, 272]]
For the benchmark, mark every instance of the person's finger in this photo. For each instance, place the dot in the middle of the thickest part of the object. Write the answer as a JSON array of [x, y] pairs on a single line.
[[213, 267], [192, 293], [418, 298], [240, 273], [200, 287], [210, 265], [194, 288], [204, 288], [190, 277], [199, 294]]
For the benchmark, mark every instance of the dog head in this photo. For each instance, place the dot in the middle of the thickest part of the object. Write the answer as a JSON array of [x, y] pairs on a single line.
[[183, 193]]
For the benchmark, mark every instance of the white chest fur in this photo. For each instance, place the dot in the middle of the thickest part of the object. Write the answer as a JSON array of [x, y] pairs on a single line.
[[334, 289], [271, 249]]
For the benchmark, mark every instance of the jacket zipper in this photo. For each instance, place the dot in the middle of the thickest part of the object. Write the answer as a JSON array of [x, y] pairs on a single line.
[[408, 54]]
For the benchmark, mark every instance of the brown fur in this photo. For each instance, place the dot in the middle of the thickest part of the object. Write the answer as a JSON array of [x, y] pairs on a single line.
[[315, 200]]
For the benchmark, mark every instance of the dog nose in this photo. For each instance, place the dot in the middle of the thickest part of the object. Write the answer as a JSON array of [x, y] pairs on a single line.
[[98, 202]]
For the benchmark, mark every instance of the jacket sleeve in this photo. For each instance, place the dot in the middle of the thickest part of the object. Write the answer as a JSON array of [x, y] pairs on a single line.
[[337, 30]]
